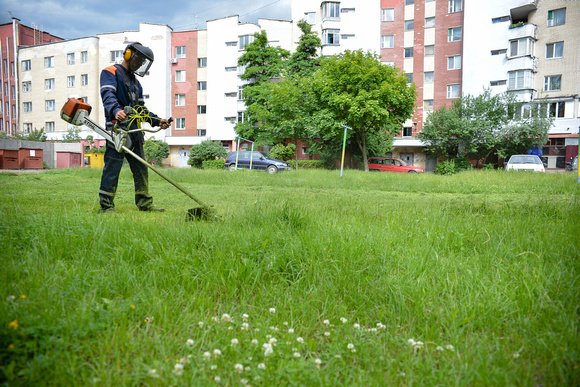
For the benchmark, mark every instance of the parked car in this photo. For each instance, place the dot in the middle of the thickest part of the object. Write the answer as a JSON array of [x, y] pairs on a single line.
[[572, 166], [388, 164], [259, 162], [525, 163]]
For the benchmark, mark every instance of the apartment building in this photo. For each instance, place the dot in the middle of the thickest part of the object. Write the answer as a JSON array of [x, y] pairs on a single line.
[[13, 36]]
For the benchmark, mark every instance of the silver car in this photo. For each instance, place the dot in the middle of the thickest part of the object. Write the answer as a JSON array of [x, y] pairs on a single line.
[[525, 163]]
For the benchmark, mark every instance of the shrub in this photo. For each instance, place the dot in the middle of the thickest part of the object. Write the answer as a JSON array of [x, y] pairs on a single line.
[[213, 164], [449, 167], [283, 152], [207, 150], [308, 164]]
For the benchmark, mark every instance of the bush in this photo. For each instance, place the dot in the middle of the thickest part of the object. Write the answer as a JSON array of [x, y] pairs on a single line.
[[207, 150], [213, 164], [308, 164], [155, 151], [283, 152], [449, 167]]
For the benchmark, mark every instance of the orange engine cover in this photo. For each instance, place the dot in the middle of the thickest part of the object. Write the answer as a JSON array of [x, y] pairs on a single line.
[[71, 109]]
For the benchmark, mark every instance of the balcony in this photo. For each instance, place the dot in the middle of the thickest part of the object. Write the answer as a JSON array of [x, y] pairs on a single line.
[[525, 30], [522, 8]]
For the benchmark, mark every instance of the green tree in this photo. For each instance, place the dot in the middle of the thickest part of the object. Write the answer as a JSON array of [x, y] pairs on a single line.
[[362, 93], [305, 60], [207, 150], [35, 135], [283, 152], [72, 135], [155, 151]]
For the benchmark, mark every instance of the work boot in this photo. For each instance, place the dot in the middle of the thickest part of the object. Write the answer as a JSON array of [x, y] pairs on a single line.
[[106, 210]]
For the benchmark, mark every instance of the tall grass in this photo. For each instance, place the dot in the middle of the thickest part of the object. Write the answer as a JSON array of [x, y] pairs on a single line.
[[371, 279]]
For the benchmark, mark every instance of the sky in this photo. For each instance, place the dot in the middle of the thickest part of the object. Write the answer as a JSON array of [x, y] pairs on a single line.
[[69, 19]]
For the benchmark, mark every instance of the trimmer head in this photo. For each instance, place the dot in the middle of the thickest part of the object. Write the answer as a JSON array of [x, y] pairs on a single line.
[[201, 213]]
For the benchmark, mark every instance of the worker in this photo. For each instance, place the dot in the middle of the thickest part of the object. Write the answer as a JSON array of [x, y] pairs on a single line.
[[120, 88]]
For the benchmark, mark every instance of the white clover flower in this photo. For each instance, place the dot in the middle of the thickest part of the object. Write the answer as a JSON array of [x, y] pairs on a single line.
[[254, 341], [217, 379], [200, 324], [244, 381], [230, 328], [290, 330], [10, 298], [153, 373], [439, 348], [450, 347], [239, 368], [213, 367], [327, 334], [381, 326], [411, 342], [226, 317], [402, 373], [350, 346], [189, 342], [273, 341], [247, 368], [373, 329], [318, 362], [343, 320], [274, 329], [272, 310], [207, 355], [256, 329], [245, 326], [215, 319], [178, 369], [356, 326], [149, 320], [217, 352], [326, 322], [268, 350], [296, 354], [268, 337], [285, 323], [184, 360], [261, 366], [245, 317], [300, 340], [516, 355], [418, 345], [294, 349], [235, 342]]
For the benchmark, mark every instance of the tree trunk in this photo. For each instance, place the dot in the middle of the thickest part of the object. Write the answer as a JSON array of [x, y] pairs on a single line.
[[296, 154], [363, 148]]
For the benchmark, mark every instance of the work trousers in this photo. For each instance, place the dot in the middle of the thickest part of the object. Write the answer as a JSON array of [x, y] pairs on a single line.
[[110, 177]]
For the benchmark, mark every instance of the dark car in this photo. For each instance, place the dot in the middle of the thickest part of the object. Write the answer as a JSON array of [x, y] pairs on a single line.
[[255, 160], [388, 164]]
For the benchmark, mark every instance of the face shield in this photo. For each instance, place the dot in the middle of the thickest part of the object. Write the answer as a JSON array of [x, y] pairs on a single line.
[[141, 60]]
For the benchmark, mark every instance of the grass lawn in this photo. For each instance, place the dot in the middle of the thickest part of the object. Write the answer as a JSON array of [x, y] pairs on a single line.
[[307, 279]]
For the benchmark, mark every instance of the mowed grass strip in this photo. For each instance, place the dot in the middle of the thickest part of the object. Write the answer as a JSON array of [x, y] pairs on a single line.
[[306, 279]]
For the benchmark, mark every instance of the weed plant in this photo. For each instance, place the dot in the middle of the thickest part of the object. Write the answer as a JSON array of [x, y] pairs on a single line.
[[307, 279]]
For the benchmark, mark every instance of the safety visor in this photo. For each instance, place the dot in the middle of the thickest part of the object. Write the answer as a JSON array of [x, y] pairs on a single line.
[[139, 64]]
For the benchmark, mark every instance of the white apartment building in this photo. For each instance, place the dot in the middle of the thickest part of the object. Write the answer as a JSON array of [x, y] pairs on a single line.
[[341, 25]]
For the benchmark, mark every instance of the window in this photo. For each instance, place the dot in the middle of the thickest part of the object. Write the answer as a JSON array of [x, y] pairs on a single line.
[[387, 41], [27, 107], [453, 91], [331, 37], [180, 123], [409, 2], [202, 85], [409, 25], [27, 127], [241, 116], [240, 93], [429, 22], [230, 69], [13, 90], [520, 47], [557, 109], [347, 10], [554, 50], [49, 126], [409, 52], [454, 62], [179, 99], [552, 82], [556, 17], [180, 76], [26, 65], [49, 62], [26, 86], [70, 58], [389, 63], [244, 40], [429, 50], [498, 83], [5, 61], [407, 131], [502, 19], [84, 79], [180, 52], [201, 109], [330, 10], [202, 62], [84, 56], [454, 34], [49, 84], [71, 81], [498, 52], [519, 79], [409, 77], [201, 132], [428, 104], [116, 56], [310, 17], [50, 105], [429, 76], [454, 6], [387, 14], [231, 44], [231, 95]]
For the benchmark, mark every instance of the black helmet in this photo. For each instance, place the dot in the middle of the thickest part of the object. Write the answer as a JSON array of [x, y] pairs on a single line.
[[139, 58]]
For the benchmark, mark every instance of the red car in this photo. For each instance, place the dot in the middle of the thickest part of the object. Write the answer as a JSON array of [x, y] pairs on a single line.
[[387, 164]]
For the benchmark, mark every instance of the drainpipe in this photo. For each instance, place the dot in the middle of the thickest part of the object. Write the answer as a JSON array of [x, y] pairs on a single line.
[[16, 39]]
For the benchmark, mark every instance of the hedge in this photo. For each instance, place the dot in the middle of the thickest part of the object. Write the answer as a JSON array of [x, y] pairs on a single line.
[[307, 164], [213, 164]]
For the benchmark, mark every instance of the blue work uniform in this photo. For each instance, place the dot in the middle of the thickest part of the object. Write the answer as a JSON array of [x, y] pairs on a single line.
[[120, 88]]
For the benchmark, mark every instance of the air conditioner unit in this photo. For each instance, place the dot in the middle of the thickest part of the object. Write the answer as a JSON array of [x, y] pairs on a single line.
[[173, 60]]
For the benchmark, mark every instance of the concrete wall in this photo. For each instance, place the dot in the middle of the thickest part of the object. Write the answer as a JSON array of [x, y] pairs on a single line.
[[49, 149]]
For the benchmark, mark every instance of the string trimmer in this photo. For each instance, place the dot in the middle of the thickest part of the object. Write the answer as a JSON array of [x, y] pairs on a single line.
[[76, 112]]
